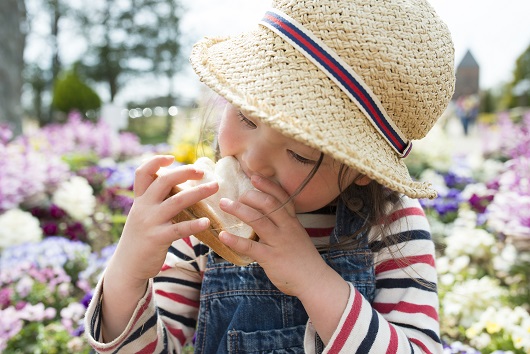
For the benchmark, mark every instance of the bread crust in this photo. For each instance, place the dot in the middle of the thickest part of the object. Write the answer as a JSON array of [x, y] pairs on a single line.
[[211, 235]]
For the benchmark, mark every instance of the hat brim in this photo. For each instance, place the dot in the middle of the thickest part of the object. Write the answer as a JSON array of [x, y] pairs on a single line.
[[264, 76]]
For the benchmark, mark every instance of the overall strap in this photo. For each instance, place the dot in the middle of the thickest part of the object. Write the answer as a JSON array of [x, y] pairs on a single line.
[[348, 223]]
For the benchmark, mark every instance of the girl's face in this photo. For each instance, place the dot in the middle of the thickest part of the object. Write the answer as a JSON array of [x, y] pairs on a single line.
[[262, 151]]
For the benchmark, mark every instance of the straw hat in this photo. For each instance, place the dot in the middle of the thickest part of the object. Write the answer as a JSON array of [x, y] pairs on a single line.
[[399, 51]]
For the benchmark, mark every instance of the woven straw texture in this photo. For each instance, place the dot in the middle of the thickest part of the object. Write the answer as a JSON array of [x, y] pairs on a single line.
[[401, 49]]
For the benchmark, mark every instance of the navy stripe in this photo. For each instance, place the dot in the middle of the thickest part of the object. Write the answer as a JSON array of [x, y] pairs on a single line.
[[171, 280], [186, 321], [381, 122], [150, 323], [201, 249], [412, 235], [405, 283], [369, 339], [429, 333], [184, 257], [164, 340], [96, 321]]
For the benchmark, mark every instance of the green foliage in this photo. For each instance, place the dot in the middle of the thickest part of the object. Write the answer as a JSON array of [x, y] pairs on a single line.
[[71, 93], [40, 338], [518, 90], [138, 37]]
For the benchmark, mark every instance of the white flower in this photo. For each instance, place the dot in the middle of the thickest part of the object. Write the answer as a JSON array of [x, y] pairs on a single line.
[[479, 189], [466, 219], [476, 243], [17, 226], [436, 179], [467, 301], [76, 197], [505, 260]]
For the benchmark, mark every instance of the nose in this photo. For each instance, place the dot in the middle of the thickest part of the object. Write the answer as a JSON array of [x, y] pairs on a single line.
[[258, 159]]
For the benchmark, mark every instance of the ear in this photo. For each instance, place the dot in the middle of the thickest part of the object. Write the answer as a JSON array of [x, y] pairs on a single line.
[[362, 180]]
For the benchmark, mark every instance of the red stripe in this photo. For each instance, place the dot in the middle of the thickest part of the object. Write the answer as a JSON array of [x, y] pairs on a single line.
[[393, 343], [347, 327], [398, 263], [149, 348], [406, 307], [177, 333], [343, 76], [188, 241], [165, 267], [178, 298], [401, 213], [421, 345], [319, 232]]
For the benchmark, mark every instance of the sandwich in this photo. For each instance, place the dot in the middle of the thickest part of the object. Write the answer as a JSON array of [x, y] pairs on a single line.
[[232, 183]]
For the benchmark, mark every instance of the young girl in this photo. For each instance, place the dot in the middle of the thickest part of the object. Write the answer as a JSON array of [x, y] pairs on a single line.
[[333, 90]]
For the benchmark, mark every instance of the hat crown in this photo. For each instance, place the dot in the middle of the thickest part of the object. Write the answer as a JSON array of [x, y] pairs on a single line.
[[400, 48]]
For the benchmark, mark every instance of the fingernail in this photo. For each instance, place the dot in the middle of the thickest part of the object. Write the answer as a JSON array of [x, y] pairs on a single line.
[[224, 202], [204, 222]]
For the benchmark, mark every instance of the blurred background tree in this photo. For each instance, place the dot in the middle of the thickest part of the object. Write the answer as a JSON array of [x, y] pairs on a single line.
[[71, 93], [118, 42], [138, 37], [13, 38], [520, 85]]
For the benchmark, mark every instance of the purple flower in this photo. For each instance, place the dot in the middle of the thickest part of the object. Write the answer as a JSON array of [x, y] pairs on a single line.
[[56, 212], [5, 297], [480, 203], [85, 301]]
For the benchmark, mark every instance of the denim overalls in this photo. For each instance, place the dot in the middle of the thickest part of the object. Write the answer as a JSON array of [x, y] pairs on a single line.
[[243, 312]]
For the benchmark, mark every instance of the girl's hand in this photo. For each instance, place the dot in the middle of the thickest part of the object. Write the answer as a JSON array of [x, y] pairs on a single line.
[[285, 250], [148, 231]]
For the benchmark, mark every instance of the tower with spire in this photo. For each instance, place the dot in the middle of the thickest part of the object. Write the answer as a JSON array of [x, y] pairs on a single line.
[[467, 77]]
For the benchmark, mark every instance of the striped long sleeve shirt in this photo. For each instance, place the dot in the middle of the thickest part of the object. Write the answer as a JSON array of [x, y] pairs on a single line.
[[403, 318]]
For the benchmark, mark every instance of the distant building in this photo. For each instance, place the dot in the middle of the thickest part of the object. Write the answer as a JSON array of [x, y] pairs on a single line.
[[467, 77]]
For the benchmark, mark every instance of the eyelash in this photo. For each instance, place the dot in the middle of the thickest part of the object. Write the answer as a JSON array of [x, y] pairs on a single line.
[[245, 120], [301, 159], [292, 154]]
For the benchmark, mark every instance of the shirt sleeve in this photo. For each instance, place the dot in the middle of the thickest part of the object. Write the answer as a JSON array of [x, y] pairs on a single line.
[[403, 317], [164, 319]]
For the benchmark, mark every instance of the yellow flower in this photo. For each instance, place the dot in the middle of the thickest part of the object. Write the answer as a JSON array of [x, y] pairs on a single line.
[[493, 327], [472, 332]]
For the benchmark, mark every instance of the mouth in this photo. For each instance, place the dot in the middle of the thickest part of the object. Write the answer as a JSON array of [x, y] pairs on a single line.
[[243, 168]]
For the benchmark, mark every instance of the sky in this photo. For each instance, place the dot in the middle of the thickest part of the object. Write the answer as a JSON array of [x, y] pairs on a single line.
[[496, 33]]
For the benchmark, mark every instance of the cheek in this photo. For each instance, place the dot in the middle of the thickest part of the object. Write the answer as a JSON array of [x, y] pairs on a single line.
[[319, 192]]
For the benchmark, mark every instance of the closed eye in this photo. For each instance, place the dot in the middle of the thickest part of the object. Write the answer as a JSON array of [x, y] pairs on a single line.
[[300, 159], [246, 121]]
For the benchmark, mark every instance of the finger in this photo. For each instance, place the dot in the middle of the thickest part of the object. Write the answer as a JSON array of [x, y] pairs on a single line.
[[270, 187], [269, 206], [185, 229], [185, 198], [242, 245], [162, 185], [260, 223], [146, 173]]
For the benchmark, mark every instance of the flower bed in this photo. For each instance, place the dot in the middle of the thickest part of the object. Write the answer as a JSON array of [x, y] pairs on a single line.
[[65, 192], [481, 223]]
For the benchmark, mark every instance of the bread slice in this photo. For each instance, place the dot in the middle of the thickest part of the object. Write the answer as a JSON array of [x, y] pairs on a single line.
[[232, 183]]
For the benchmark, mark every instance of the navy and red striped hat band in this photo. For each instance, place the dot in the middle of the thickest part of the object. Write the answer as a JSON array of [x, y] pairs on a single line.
[[341, 73]]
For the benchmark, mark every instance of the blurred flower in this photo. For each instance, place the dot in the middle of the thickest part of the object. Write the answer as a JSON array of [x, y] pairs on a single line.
[[76, 197], [17, 226], [465, 303]]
